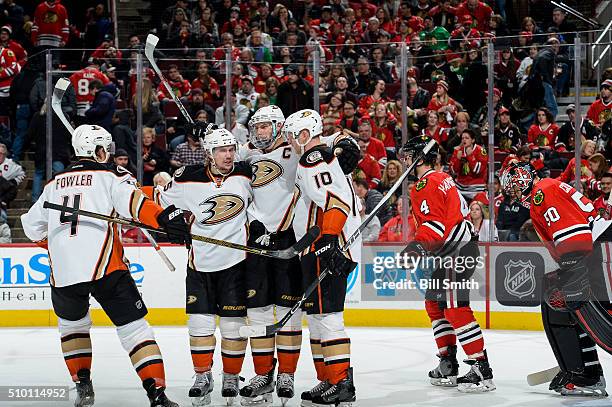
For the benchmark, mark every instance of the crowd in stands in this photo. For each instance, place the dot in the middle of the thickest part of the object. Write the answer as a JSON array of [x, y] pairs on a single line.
[[272, 48]]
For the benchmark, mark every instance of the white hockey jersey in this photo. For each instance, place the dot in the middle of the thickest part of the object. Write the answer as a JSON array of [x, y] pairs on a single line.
[[81, 248], [219, 210], [323, 186]]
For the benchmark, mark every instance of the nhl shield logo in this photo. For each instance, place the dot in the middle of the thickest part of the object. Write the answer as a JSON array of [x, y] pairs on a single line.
[[520, 278]]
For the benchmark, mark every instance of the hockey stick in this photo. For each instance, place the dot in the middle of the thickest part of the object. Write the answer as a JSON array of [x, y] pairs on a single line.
[[288, 253], [150, 45], [56, 103], [266, 330], [545, 376]]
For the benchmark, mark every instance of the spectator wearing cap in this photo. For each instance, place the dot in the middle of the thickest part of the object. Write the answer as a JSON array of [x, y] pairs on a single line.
[[464, 34], [234, 20], [374, 146], [437, 36], [6, 42], [481, 12], [601, 110], [444, 105], [507, 136], [326, 22], [197, 103], [122, 159], [264, 18], [292, 28], [191, 152], [437, 67], [543, 69], [295, 93], [50, 25], [567, 132], [247, 93], [481, 116]]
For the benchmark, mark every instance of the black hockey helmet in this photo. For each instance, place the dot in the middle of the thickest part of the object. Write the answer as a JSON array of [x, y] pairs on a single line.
[[416, 145]]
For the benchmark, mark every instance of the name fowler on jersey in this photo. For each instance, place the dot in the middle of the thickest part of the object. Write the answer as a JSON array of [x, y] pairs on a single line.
[[78, 180]]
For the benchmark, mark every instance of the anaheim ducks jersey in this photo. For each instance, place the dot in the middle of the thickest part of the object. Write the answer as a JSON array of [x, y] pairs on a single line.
[[81, 248], [439, 211], [219, 211], [274, 193], [328, 199], [562, 217]]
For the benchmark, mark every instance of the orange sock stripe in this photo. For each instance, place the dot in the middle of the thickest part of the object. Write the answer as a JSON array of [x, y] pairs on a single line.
[[232, 355], [153, 369], [75, 364], [202, 352], [337, 354], [262, 350], [288, 348]]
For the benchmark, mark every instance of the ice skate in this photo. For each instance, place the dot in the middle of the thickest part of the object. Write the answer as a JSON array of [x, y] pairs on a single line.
[[285, 387], [230, 386], [157, 395], [479, 379], [201, 389], [84, 388], [316, 391], [445, 374], [259, 390], [580, 384], [338, 395]]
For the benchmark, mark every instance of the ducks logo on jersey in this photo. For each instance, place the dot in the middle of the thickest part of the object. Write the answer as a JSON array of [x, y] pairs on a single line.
[[221, 208], [264, 172]]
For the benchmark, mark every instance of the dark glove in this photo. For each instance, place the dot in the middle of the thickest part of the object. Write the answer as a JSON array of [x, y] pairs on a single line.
[[332, 257], [198, 129], [172, 221], [347, 152], [260, 237], [567, 290], [414, 254]]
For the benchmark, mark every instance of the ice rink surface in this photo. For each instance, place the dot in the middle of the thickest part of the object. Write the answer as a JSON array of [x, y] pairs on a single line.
[[390, 366]]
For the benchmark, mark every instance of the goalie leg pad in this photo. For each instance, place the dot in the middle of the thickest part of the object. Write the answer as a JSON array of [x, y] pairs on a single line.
[[564, 338], [597, 322]]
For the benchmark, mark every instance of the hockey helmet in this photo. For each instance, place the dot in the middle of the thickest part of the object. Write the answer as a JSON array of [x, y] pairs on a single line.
[[268, 114], [306, 119], [88, 137], [518, 175], [219, 138], [416, 145]]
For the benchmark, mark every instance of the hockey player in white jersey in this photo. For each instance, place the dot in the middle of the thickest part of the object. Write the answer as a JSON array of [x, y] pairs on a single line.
[[87, 259], [329, 202], [217, 193], [275, 283]]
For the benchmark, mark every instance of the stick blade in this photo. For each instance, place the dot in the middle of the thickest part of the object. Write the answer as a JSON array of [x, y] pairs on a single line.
[[150, 45], [252, 330], [545, 376], [308, 239], [62, 84], [429, 146]]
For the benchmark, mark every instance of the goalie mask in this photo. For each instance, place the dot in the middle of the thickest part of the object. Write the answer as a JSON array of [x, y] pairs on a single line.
[[265, 126], [306, 119], [87, 139], [518, 178]]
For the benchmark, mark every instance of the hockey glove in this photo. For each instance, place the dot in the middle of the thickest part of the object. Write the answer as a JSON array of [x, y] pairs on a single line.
[[347, 151], [567, 290], [198, 129], [260, 237], [332, 257], [172, 221]]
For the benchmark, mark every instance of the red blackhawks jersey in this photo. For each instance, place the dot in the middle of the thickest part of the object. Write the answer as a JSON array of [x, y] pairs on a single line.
[[80, 81], [439, 211], [599, 112], [8, 69], [562, 217], [50, 25]]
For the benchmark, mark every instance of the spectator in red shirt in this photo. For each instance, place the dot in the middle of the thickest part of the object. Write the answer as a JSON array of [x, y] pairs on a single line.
[[601, 109], [480, 11], [7, 42], [434, 130], [469, 164], [384, 126], [444, 105], [181, 87], [567, 176], [601, 203], [50, 28], [207, 83], [375, 147], [377, 94], [392, 230], [369, 166], [543, 133]]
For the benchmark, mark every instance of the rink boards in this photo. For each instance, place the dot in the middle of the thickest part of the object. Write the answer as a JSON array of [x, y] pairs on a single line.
[[503, 290]]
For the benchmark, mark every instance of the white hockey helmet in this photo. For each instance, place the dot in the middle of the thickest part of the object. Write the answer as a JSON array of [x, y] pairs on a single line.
[[88, 137], [306, 119], [219, 138], [268, 114]]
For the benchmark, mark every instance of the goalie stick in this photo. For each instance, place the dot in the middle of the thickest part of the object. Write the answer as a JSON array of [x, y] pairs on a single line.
[[56, 104], [288, 253], [545, 376], [266, 330]]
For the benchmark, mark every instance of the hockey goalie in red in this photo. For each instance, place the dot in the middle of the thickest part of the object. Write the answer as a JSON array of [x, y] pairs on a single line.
[[567, 223], [439, 211]]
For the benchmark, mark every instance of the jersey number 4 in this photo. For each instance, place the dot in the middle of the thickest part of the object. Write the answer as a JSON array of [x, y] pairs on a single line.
[[72, 218]]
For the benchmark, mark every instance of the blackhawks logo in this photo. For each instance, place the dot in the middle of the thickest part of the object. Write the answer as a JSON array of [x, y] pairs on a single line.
[[538, 198], [421, 184]]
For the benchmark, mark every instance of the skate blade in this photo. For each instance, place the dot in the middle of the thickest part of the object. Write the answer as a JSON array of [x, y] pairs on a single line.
[[200, 401], [229, 401], [340, 404], [483, 387], [450, 381], [284, 400], [583, 392], [86, 402], [261, 400], [306, 403]]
